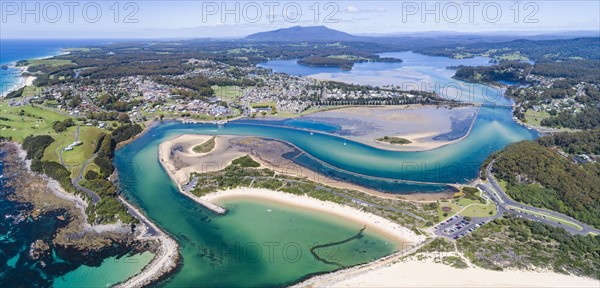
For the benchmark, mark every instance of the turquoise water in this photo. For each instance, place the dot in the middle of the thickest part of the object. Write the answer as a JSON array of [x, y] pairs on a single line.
[[210, 244], [205, 237], [233, 250], [112, 270], [459, 162], [17, 269]]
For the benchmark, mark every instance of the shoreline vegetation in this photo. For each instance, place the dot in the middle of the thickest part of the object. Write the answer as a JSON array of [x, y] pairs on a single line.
[[361, 275], [180, 162], [97, 239], [344, 62], [165, 249], [167, 257], [77, 237], [394, 140], [205, 147]]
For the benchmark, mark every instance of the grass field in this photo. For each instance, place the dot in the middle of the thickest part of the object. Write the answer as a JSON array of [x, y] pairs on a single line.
[[263, 104], [75, 158], [47, 62], [26, 120], [31, 91], [516, 56], [534, 118], [480, 210], [475, 208], [228, 93]]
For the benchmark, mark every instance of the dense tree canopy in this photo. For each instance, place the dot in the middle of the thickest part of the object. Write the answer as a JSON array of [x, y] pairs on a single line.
[[537, 175]]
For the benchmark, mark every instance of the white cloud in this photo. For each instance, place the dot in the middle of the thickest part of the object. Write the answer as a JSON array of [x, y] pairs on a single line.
[[352, 9]]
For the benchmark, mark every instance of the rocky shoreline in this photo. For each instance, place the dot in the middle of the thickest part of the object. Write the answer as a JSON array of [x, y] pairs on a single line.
[[75, 240]]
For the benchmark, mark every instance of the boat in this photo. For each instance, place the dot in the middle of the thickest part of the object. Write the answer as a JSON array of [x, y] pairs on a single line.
[[269, 210]]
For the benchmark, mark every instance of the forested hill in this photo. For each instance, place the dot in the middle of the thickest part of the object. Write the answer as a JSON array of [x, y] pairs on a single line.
[[299, 33], [561, 49], [538, 175]]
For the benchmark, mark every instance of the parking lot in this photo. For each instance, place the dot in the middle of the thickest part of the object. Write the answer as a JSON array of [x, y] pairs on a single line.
[[457, 226]]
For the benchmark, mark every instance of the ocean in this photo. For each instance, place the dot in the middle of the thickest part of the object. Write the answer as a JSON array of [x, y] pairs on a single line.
[[13, 50], [17, 233]]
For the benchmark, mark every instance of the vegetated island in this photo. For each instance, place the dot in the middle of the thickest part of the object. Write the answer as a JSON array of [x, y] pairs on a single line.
[[205, 147], [345, 62], [394, 140]]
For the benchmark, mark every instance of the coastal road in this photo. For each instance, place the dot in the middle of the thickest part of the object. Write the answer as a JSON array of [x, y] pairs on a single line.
[[95, 198], [506, 204], [151, 229]]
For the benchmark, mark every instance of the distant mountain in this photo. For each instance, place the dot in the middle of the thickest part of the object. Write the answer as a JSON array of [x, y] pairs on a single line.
[[299, 33], [433, 38]]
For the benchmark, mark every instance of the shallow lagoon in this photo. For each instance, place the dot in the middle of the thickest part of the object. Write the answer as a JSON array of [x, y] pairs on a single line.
[[205, 237], [222, 251]]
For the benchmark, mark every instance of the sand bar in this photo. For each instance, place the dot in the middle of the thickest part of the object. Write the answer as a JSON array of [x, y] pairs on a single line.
[[179, 161], [420, 124], [180, 164]]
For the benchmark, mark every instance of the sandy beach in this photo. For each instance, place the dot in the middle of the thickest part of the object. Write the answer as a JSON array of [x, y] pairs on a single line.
[[427, 127], [427, 273], [179, 165], [179, 161], [401, 235], [23, 81]]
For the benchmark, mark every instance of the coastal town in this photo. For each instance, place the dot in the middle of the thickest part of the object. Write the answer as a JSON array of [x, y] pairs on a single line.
[[144, 98], [172, 162]]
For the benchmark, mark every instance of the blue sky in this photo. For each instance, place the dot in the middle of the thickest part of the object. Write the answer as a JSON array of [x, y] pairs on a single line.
[[197, 19]]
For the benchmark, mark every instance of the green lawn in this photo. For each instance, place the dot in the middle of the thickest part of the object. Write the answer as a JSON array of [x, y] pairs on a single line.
[[75, 158], [228, 93], [515, 56], [477, 209], [480, 210], [263, 104], [502, 184], [26, 120], [47, 62], [534, 118]]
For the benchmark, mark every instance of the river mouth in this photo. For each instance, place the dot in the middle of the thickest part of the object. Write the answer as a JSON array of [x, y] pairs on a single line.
[[232, 250], [205, 238]]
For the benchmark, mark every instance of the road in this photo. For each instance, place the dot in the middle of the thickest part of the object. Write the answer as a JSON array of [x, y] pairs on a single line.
[[506, 204], [151, 229], [456, 226], [95, 198]]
